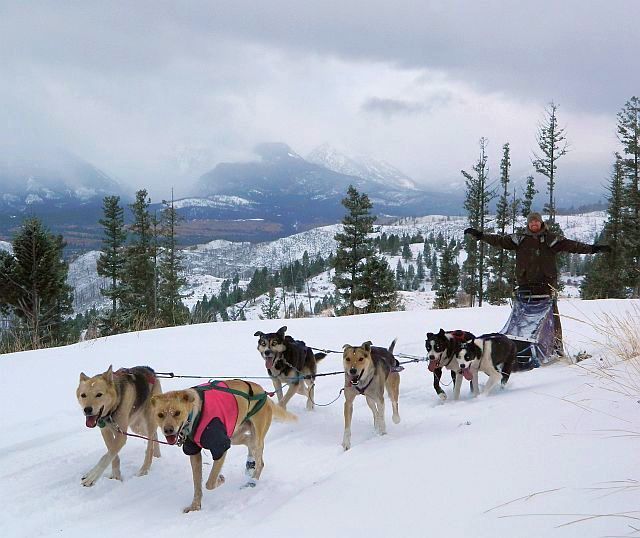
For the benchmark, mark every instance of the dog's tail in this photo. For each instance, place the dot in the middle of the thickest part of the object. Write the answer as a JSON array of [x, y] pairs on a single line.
[[281, 414], [319, 356], [393, 344]]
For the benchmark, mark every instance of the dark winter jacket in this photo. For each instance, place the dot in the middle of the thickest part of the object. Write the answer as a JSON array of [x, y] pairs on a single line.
[[536, 267]]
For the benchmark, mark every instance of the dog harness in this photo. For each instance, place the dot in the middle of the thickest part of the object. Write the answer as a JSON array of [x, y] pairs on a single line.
[[217, 419], [215, 404]]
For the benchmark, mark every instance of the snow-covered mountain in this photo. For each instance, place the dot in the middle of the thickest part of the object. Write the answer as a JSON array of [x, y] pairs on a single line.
[[363, 166], [61, 189], [54, 177], [552, 454], [295, 193]]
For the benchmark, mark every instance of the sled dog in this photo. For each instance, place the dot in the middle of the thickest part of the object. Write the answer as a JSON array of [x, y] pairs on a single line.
[[368, 370], [117, 401], [442, 348], [215, 416], [288, 361], [485, 354]]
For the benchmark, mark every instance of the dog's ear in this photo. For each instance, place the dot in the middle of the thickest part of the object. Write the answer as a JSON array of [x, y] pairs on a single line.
[[367, 345], [258, 333], [153, 400], [83, 376], [430, 336], [441, 333], [108, 375], [282, 330], [188, 397], [345, 346]]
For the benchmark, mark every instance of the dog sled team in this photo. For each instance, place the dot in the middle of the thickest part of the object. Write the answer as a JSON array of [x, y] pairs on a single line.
[[215, 415]]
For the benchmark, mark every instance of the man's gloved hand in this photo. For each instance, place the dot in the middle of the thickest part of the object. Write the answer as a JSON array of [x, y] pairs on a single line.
[[601, 248], [477, 234]]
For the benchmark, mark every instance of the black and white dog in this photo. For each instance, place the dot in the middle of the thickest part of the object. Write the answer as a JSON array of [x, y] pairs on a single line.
[[442, 348], [485, 354]]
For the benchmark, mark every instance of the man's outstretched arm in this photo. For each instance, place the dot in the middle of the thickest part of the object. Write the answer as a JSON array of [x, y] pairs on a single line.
[[496, 240], [576, 247]]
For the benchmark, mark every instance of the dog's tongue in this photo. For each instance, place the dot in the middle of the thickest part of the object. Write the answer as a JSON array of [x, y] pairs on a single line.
[[269, 363], [91, 421], [433, 364], [466, 372], [172, 439]]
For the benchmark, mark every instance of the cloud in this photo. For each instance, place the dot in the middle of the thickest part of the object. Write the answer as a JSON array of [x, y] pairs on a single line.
[[390, 107], [155, 93]]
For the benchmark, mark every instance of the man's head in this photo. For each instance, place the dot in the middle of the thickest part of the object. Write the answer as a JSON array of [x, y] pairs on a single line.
[[534, 222]]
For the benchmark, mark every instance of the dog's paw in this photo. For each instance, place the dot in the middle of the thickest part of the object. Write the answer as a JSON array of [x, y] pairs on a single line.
[[142, 472], [442, 396], [116, 476], [346, 445], [215, 483], [90, 479], [396, 419], [250, 484], [193, 507]]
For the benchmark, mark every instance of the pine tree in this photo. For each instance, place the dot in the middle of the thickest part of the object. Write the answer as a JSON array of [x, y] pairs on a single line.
[[427, 253], [378, 286], [607, 274], [629, 136], [434, 273], [171, 310], [137, 304], [34, 283], [476, 203], [529, 194], [354, 247], [448, 280], [553, 145], [271, 307], [111, 261], [406, 252], [420, 271], [499, 287]]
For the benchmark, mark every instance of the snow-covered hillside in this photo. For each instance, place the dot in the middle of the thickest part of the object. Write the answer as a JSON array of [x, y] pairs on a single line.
[[552, 455], [208, 264]]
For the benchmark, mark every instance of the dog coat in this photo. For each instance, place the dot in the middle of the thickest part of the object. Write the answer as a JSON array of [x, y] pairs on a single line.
[[215, 424]]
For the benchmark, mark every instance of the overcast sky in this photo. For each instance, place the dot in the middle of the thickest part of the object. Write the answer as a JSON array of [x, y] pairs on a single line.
[[155, 93]]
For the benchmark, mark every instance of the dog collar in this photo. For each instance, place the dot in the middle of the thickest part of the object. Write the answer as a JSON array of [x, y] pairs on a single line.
[[361, 390], [185, 430]]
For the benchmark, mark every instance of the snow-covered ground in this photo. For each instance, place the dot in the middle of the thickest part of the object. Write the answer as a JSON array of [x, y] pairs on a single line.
[[554, 454]]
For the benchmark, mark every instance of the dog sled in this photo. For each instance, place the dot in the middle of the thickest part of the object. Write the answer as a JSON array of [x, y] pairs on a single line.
[[531, 327]]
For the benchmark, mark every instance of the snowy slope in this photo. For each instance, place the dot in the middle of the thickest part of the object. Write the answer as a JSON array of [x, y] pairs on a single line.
[[522, 463]]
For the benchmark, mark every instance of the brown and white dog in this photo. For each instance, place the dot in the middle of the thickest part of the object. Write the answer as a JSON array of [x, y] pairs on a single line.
[[368, 370], [290, 362], [117, 401], [184, 418]]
